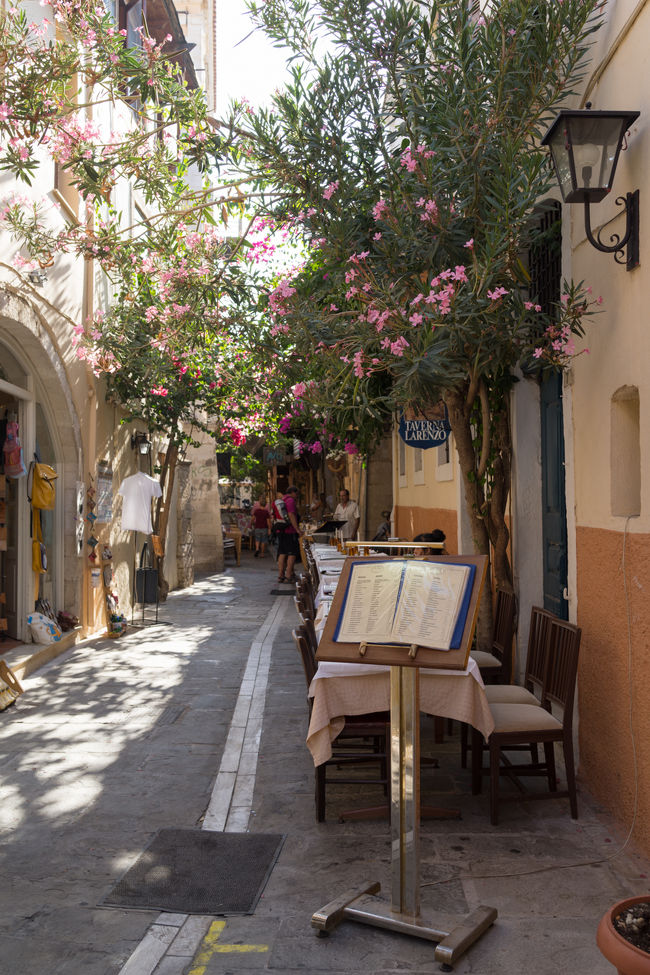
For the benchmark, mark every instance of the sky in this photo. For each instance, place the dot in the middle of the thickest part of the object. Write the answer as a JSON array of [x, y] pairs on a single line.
[[252, 69]]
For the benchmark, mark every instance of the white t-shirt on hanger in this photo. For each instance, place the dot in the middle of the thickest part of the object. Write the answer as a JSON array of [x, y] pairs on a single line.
[[137, 492]]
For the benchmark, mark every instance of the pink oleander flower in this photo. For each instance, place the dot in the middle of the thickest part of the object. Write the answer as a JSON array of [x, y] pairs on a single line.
[[159, 391], [350, 448], [416, 319], [316, 447], [379, 209], [398, 346], [331, 190], [497, 294], [408, 161], [469, 244]]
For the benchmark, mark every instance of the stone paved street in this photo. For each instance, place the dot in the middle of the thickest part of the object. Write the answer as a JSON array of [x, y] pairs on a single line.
[[119, 738]]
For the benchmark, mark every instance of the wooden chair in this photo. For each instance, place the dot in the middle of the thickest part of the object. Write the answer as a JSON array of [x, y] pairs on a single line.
[[531, 691], [305, 595], [496, 665], [526, 724], [364, 740], [311, 569], [232, 545]]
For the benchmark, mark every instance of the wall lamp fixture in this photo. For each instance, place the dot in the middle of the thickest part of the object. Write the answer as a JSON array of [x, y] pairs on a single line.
[[37, 277], [140, 442], [585, 147]]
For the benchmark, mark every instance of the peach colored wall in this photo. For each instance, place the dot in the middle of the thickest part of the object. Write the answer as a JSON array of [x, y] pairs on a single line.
[[411, 521], [604, 692]]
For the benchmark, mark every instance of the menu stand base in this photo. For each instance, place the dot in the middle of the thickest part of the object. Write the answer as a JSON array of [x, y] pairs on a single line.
[[451, 944]]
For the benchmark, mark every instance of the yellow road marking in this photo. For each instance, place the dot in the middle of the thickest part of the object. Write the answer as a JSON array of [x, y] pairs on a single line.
[[209, 947]]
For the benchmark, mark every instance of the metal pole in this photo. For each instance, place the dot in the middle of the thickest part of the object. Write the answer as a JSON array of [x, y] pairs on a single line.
[[405, 789]]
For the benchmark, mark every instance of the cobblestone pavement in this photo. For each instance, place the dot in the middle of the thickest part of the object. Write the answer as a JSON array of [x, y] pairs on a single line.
[[202, 723]]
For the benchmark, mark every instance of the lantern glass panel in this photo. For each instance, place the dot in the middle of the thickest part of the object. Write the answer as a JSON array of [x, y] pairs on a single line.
[[558, 144], [595, 143]]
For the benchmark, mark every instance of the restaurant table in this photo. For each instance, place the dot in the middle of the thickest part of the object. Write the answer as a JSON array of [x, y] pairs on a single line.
[[395, 548], [340, 688], [329, 563], [322, 613]]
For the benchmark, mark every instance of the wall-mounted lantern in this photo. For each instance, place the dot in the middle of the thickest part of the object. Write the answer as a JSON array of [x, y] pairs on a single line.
[[585, 147], [39, 278], [140, 442]]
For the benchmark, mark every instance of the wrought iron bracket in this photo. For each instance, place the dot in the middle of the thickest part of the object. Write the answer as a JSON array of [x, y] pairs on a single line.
[[626, 248]]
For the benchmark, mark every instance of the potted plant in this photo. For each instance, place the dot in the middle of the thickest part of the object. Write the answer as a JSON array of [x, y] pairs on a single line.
[[623, 935]]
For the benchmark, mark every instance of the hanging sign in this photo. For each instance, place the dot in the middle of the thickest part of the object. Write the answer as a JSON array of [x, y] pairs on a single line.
[[274, 455], [424, 429], [104, 509]]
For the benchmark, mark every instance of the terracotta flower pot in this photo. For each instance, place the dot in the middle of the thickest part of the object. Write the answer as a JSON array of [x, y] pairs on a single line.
[[626, 958]]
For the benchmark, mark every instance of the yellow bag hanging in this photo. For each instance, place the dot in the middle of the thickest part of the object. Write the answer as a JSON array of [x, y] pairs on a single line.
[[39, 552], [43, 487]]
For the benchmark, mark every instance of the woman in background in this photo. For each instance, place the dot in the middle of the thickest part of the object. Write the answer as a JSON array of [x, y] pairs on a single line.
[[261, 524]]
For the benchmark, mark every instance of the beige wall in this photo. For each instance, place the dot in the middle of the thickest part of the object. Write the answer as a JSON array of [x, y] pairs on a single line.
[[206, 507], [379, 489], [425, 491], [605, 462]]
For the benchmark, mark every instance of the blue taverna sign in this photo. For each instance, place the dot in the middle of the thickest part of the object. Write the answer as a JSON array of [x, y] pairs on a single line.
[[425, 432]]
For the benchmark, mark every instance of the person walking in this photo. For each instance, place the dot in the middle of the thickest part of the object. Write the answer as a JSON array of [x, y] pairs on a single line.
[[289, 537], [347, 511], [261, 525]]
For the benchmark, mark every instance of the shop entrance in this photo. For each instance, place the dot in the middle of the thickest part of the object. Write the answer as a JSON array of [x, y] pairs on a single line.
[[23, 401], [9, 409]]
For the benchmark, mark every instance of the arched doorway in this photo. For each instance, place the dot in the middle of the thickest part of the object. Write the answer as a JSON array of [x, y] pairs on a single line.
[[35, 392]]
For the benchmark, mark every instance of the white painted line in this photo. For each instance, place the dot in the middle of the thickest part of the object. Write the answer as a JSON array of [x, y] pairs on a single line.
[[151, 949], [231, 801], [240, 754]]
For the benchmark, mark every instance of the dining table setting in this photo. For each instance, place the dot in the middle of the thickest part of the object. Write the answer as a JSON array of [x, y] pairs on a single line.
[[355, 676], [341, 688]]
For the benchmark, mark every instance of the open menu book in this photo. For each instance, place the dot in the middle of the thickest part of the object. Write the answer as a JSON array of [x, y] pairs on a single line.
[[410, 602]]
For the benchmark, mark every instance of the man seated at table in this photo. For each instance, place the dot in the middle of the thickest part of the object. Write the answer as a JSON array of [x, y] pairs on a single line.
[[347, 511], [434, 536]]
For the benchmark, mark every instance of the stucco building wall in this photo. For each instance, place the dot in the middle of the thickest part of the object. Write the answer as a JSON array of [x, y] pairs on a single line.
[[426, 491], [609, 428]]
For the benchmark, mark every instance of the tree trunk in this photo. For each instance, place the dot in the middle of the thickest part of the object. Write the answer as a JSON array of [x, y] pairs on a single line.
[[486, 492], [498, 503], [459, 418], [161, 518]]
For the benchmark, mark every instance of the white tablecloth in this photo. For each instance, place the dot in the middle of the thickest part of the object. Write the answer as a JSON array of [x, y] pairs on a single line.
[[339, 689]]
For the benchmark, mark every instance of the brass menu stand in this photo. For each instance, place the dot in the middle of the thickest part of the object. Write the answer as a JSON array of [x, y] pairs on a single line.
[[404, 914]]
